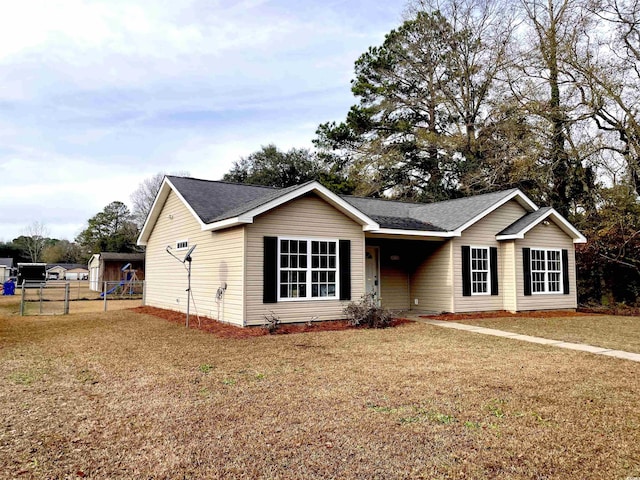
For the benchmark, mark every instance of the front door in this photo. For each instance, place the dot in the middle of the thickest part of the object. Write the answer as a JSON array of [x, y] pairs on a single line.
[[372, 283]]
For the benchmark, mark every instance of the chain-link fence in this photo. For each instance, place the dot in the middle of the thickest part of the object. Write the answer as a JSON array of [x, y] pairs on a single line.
[[121, 292], [44, 299], [61, 297]]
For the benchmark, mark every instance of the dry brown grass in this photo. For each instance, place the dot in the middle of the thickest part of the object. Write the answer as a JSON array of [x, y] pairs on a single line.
[[124, 395], [616, 332]]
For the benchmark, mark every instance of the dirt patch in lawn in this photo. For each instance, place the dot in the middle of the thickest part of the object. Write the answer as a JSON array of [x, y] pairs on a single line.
[[225, 330], [504, 314]]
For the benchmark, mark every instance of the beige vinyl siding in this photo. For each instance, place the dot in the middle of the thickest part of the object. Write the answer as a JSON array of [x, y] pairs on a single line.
[[483, 234], [546, 237], [305, 217], [394, 288], [432, 282], [218, 259], [508, 277]]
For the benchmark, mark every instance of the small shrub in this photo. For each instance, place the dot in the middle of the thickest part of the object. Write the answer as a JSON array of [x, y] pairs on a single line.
[[271, 322], [205, 368], [367, 313]]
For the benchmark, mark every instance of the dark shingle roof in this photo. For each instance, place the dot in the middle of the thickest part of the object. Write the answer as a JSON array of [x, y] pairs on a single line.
[[525, 221], [404, 223], [440, 216], [257, 202], [214, 201], [129, 257]]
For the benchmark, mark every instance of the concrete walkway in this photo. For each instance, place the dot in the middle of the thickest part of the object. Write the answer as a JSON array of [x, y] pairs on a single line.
[[634, 357]]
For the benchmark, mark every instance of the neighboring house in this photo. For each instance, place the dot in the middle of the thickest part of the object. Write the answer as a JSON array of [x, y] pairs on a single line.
[[107, 267], [77, 273], [67, 271], [303, 252], [55, 272]]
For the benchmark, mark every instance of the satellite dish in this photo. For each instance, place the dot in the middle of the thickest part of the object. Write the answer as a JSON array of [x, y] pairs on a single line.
[[187, 257]]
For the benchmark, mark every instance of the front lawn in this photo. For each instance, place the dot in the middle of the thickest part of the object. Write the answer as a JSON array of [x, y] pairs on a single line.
[[615, 332], [126, 395]]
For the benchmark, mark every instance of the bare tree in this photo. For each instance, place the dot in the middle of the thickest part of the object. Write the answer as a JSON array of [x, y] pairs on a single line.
[[144, 196], [611, 75], [543, 81], [34, 240]]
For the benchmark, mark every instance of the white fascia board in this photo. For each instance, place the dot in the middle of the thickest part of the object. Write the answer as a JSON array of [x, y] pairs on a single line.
[[323, 192], [413, 233], [153, 214], [158, 203], [558, 219], [520, 197], [227, 223]]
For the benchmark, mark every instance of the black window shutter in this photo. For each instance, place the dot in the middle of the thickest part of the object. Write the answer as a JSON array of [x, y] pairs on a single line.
[[344, 253], [526, 269], [466, 271], [270, 270], [565, 270], [493, 265]]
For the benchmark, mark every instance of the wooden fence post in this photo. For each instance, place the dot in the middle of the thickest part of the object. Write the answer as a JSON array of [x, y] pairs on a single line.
[[67, 288], [22, 300]]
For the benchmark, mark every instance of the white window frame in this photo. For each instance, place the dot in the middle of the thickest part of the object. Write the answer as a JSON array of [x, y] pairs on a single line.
[[487, 271], [309, 270], [546, 282], [186, 244]]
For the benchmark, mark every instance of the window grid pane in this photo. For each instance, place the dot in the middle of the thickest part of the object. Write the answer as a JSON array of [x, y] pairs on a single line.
[[546, 271], [293, 264], [323, 265], [480, 270], [308, 268]]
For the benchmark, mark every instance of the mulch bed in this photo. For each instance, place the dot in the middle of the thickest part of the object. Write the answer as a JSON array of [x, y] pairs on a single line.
[[504, 314], [624, 310], [225, 330]]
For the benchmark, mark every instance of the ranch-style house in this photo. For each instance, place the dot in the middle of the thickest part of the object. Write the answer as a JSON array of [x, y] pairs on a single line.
[[302, 253]]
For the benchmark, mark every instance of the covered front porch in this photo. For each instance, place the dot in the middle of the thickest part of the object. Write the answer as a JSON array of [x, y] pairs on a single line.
[[410, 273]]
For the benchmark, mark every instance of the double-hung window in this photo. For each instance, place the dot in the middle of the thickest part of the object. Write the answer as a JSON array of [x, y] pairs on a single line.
[[307, 268], [546, 271], [293, 268], [479, 271]]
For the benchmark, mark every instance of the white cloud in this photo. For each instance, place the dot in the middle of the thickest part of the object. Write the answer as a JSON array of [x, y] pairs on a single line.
[[98, 95]]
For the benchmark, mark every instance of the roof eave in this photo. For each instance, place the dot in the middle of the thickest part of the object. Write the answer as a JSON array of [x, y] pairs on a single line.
[[413, 233], [226, 223], [558, 219], [156, 208]]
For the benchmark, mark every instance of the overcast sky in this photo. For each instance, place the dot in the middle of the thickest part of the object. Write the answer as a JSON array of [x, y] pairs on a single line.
[[95, 95]]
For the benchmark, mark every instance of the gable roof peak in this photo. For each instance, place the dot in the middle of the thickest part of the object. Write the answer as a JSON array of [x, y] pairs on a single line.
[[452, 215]]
